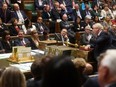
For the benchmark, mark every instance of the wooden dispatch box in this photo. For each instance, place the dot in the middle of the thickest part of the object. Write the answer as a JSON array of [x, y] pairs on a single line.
[[21, 54]]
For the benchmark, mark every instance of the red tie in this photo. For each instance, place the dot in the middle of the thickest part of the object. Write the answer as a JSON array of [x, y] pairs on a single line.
[[17, 28]]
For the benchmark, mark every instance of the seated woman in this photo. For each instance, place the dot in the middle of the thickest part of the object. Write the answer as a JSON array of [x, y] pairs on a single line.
[[34, 40], [12, 77], [14, 28], [78, 25], [7, 42], [28, 27]]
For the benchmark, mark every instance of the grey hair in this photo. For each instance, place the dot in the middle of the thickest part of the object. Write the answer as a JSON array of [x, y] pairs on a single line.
[[109, 61], [98, 25]]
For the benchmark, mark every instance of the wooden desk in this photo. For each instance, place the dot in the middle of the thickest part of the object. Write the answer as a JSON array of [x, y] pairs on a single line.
[[44, 44]]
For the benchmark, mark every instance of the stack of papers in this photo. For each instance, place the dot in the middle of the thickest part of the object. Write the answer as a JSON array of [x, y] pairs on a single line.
[[24, 67]]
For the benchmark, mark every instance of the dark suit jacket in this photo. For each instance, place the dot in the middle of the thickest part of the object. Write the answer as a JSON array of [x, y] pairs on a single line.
[[78, 27], [17, 42], [44, 27], [92, 82], [37, 5], [3, 27], [1, 1], [32, 44], [13, 31], [58, 37], [33, 82], [102, 43], [14, 15], [75, 14], [65, 24], [6, 18], [55, 14], [84, 40], [67, 2], [46, 16], [113, 37], [113, 85], [84, 13], [7, 47], [1, 47]]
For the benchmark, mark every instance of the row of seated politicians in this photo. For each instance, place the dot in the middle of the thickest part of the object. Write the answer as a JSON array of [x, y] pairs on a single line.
[[78, 25], [6, 15], [41, 27], [86, 38], [64, 7]]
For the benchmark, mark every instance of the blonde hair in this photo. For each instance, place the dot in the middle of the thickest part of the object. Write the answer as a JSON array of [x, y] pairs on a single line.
[[12, 77]]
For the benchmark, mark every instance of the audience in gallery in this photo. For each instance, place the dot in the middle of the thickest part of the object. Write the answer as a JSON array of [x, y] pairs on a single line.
[[12, 77]]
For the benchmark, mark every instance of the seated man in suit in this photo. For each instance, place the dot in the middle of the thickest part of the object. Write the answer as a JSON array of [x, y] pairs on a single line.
[[21, 41], [63, 36], [19, 14], [40, 26], [65, 23], [39, 4], [5, 13]]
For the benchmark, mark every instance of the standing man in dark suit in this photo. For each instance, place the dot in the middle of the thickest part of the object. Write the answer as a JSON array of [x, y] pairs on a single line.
[[21, 41], [107, 69], [5, 13], [102, 42], [19, 14]]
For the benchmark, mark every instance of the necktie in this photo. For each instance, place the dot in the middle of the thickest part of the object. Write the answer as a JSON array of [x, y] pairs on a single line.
[[22, 43], [17, 28], [51, 4]]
